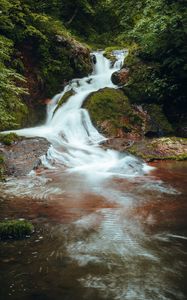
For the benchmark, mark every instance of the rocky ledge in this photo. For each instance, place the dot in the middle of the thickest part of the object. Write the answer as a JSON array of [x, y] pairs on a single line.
[[152, 149], [22, 155]]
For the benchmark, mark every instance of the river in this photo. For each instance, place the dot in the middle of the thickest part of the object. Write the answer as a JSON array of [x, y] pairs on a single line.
[[107, 225]]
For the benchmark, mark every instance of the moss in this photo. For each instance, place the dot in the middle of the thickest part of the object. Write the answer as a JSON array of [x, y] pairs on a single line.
[[111, 106], [63, 99], [172, 148], [108, 53], [2, 168], [8, 139], [16, 229], [158, 121]]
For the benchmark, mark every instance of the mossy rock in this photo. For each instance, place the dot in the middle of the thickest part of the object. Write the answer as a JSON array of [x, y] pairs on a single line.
[[63, 99], [15, 229], [111, 112], [8, 139], [2, 168], [109, 53], [166, 148], [158, 123]]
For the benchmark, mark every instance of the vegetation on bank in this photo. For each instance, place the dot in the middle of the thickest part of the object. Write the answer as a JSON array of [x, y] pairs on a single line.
[[39, 53], [15, 229], [157, 60]]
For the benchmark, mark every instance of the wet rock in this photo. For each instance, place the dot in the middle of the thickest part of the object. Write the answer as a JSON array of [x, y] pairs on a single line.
[[61, 39], [119, 144], [120, 77], [94, 60], [112, 114], [23, 156]]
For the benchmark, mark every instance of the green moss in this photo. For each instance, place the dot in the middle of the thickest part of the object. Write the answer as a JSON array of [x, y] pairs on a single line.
[[158, 119], [63, 99], [112, 106], [8, 139], [15, 229]]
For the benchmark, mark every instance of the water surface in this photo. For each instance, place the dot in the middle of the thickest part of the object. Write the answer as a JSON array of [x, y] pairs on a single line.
[[118, 239]]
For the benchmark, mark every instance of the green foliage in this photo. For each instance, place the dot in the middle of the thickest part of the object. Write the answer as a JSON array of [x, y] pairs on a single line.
[[158, 58], [8, 139], [16, 229], [35, 43], [10, 91]]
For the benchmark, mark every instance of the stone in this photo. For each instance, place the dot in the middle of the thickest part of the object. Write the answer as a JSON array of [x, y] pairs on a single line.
[[22, 157], [120, 77]]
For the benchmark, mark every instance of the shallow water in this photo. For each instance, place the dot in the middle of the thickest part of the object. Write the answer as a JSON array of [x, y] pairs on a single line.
[[117, 238]]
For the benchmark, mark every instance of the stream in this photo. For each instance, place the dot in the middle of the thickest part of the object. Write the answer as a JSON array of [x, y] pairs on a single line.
[[107, 225]]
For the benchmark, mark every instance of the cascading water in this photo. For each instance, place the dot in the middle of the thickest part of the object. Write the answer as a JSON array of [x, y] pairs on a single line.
[[75, 141], [95, 239]]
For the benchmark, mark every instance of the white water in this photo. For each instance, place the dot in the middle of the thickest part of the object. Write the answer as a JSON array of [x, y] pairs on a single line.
[[75, 141]]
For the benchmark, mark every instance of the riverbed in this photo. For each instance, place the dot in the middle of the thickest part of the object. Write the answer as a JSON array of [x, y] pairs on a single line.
[[115, 238]]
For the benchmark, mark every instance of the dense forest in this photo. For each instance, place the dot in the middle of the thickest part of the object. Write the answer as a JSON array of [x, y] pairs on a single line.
[[44, 44]]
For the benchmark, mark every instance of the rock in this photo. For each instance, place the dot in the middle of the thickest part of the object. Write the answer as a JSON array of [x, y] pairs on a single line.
[[63, 99], [157, 124], [94, 59], [119, 144], [160, 148], [61, 39], [23, 156], [120, 77], [113, 115]]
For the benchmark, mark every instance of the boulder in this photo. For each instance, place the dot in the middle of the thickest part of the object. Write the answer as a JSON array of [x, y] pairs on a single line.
[[120, 77], [23, 156], [157, 124], [113, 115], [160, 148]]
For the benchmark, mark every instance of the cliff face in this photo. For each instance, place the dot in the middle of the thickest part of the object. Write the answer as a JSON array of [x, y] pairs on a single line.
[[38, 55], [44, 84]]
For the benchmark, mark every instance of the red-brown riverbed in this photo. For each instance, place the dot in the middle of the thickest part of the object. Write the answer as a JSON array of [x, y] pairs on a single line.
[[115, 239]]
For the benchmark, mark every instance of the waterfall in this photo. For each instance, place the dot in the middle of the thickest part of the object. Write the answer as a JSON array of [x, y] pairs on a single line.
[[75, 142]]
